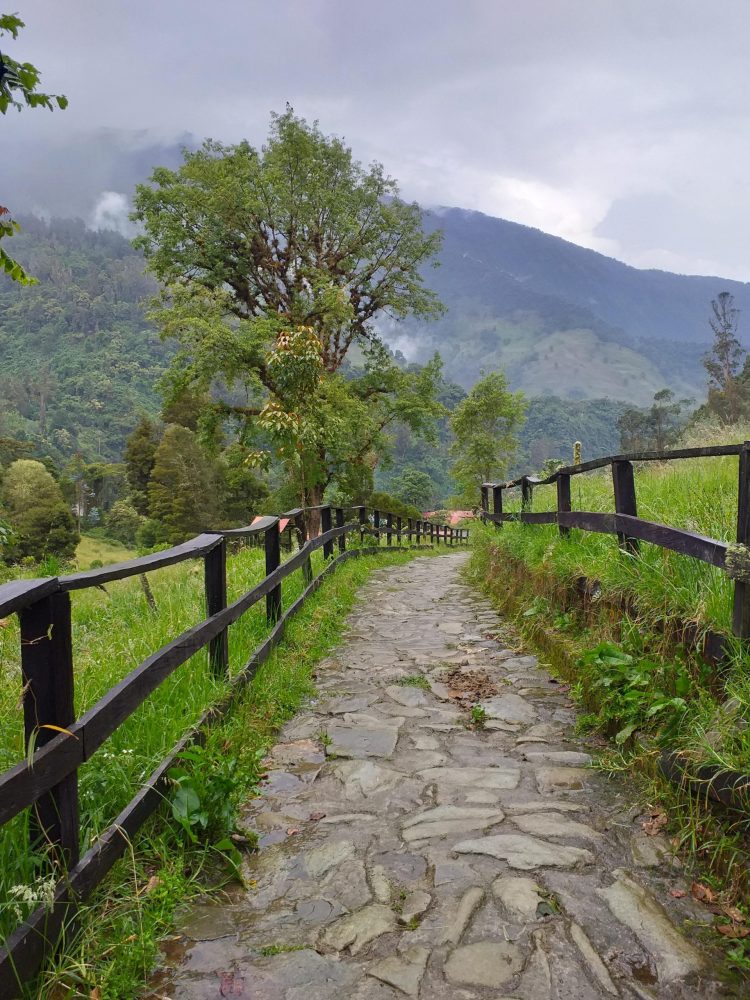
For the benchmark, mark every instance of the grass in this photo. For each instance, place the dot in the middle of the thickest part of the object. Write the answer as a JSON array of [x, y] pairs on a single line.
[[113, 632], [636, 684], [100, 550], [415, 680]]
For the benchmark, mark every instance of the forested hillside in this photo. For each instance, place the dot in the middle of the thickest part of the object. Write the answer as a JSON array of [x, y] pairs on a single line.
[[80, 360], [562, 319]]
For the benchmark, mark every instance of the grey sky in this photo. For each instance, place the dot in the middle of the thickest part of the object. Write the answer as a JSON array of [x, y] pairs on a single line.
[[623, 125]]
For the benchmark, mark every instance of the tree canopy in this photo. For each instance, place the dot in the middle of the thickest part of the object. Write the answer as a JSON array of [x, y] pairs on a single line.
[[485, 426], [276, 264]]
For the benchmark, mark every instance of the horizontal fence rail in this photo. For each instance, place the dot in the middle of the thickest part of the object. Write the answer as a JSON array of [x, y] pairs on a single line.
[[624, 522], [47, 781]]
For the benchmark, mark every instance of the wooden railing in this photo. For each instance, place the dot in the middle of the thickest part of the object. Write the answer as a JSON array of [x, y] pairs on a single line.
[[625, 523], [47, 782]]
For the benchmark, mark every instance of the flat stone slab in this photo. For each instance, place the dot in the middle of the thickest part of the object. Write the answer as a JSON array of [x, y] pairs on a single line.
[[635, 907], [412, 697], [415, 904], [526, 852], [404, 972], [519, 896], [570, 757], [446, 820], [509, 708], [552, 779], [486, 963], [365, 778], [505, 776], [361, 741], [550, 824], [470, 901], [356, 930]]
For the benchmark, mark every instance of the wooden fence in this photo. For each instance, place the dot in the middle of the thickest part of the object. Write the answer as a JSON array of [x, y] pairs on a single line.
[[47, 782], [625, 523]]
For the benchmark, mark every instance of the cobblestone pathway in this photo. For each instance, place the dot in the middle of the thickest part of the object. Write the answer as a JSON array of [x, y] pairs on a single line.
[[404, 853]]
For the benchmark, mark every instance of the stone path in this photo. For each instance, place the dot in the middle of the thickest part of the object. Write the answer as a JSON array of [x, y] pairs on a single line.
[[404, 853]]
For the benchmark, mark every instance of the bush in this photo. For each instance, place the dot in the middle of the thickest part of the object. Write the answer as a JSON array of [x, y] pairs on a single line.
[[123, 522], [41, 520]]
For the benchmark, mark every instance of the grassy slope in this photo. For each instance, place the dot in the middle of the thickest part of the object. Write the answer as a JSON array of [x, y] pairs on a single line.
[[113, 632], [531, 570]]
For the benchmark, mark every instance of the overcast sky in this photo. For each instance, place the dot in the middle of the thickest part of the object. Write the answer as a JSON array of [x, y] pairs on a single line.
[[622, 125]]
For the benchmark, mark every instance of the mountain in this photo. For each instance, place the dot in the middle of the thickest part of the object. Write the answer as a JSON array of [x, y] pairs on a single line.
[[81, 361], [559, 318]]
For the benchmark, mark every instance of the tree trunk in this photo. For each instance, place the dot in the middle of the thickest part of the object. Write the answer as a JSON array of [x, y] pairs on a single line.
[[312, 497]]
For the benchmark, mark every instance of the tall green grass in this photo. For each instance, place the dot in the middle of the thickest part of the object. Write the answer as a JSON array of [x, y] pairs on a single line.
[[698, 495]]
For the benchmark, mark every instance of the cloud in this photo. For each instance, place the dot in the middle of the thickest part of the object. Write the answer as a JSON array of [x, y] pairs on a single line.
[[111, 212], [546, 113]]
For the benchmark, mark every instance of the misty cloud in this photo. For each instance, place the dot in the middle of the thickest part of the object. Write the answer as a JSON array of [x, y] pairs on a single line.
[[623, 127]]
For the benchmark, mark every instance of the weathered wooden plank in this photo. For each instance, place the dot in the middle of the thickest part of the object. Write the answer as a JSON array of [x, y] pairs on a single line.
[[47, 673], [711, 451], [273, 558], [623, 481], [741, 601], [145, 564], [687, 543], [325, 523], [215, 580], [18, 594], [563, 500]]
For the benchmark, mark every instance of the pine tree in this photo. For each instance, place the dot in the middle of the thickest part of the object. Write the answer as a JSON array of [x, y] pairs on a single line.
[[183, 488]]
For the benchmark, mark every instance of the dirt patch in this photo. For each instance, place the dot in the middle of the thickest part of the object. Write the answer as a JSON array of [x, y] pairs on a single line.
[[469, 685]]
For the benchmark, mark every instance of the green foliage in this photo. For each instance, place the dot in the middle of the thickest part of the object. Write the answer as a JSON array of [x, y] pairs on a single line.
[[182, 490], [327, 245], [654, 429], [140, 451], [553, 424], [415, 680], [123, 522], [19, 81], [79, 359], [34, 505], [724, 362], [478, 716], [485, 426], [633, 692], [386, 503], [414, 488], [207, 788]]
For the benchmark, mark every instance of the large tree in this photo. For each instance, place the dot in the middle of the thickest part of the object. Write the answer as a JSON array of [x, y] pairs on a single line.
[[34, 505], [724, 362], [275, 263], [485, 426]]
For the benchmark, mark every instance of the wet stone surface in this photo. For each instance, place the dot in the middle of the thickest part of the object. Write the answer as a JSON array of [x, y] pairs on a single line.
[[404, 854]]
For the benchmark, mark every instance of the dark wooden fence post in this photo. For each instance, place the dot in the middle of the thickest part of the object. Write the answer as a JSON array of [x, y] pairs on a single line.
[[299, 521], [215, 577], [325, 525], [527, 494], [625, 501], [376, 526], [410, 529], [340, 524], [389, 529], [563, 500], [418, 531], [399, 526], [363, 522], [47, 673], [741, 607], [485, 499], [497, 503], [273, 561]]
